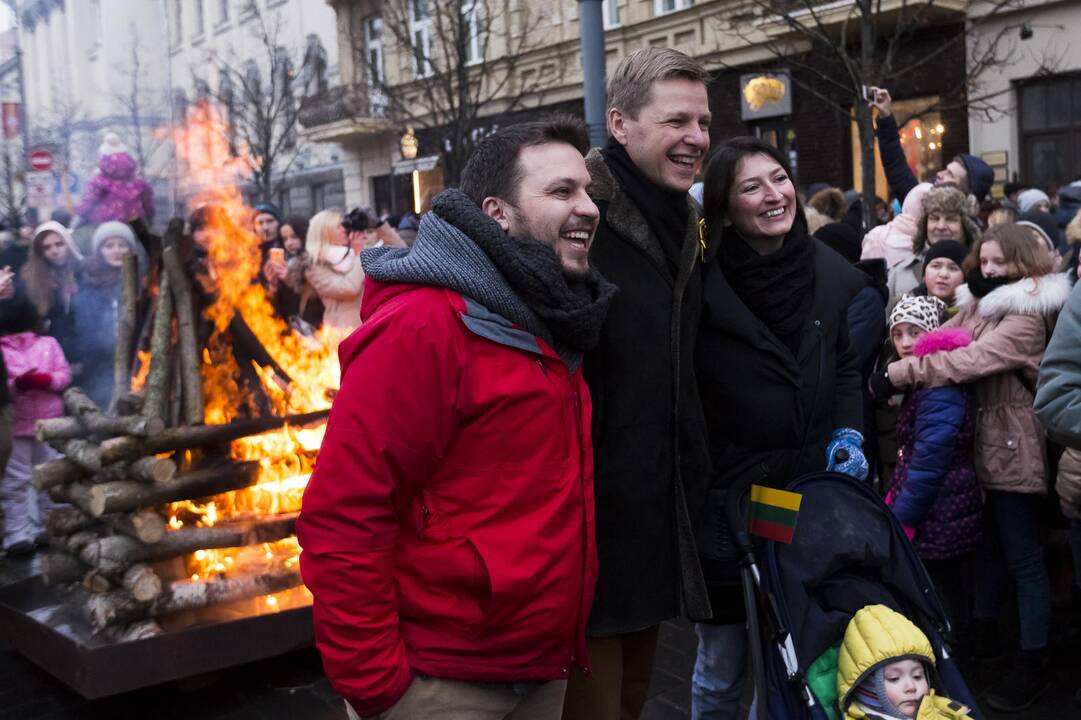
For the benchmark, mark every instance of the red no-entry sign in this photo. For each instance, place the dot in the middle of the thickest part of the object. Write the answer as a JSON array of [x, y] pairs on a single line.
[[41, 160]]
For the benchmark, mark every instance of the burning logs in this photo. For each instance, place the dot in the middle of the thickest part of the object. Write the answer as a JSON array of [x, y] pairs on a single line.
[[178, 438], [86, 418], [113, 555], [142, 582], [190, 379], [142, 536], [161, 354], [122, 496], [125, 331], [122, 607]]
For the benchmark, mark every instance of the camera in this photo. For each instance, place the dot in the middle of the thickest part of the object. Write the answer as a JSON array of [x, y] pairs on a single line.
[[357, 220], [868, 93]]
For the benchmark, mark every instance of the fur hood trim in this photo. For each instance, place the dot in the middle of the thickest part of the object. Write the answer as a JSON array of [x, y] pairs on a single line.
[[942, 340], [1029, 296]]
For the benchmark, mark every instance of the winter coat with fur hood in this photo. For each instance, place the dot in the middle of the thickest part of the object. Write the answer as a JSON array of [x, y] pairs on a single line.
[[1010, 328]]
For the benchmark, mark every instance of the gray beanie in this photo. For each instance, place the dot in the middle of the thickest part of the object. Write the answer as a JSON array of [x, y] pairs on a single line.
[[1028, 199], [117, 229]]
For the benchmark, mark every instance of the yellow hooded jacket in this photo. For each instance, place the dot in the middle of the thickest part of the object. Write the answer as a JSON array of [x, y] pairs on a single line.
[[877, 635]]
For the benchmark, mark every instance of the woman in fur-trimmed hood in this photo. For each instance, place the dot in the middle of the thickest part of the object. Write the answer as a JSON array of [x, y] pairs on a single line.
[[1009, 304]]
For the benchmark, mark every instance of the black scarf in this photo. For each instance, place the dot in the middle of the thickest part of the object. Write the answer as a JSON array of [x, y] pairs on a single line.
[[775, 287], [666, 211], [980, 286], [573, 308]]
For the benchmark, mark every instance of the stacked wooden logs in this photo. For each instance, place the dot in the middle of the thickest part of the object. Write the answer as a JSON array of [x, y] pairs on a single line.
[[120, 467], [110, 533]]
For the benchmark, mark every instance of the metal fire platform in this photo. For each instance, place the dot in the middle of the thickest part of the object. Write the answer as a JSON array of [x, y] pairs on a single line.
[[44, 624]]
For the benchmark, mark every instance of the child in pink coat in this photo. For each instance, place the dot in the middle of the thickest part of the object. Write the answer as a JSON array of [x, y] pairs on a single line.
[[36, 374]]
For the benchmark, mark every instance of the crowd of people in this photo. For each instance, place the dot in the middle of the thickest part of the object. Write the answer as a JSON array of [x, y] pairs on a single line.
[[60, 295], [565, 366], [600, 350]]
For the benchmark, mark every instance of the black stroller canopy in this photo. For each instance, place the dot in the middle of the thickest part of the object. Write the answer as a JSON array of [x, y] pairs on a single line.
[[848, 552]]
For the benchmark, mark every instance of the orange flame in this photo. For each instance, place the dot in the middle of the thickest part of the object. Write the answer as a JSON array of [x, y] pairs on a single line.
[[286, 457]]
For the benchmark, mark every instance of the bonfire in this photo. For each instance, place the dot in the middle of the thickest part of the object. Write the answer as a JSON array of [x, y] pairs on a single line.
[[179, 496]]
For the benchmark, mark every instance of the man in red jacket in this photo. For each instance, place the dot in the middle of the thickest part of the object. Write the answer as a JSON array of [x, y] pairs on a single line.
[[448, 526]]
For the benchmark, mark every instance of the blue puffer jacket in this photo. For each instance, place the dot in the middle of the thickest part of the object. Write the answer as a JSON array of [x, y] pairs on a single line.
[[934, 489]]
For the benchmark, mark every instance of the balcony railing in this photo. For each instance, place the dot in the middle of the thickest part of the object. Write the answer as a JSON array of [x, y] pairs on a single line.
[[339, 103]]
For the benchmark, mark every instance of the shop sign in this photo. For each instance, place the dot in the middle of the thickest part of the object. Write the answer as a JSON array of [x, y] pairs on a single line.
[[765, 95]]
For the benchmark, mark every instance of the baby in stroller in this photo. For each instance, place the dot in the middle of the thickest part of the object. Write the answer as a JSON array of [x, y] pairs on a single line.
[[885, 667]]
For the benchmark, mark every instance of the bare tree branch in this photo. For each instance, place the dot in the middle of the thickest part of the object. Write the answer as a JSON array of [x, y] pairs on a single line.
[[262, 110], [879, 60], [455, 73]]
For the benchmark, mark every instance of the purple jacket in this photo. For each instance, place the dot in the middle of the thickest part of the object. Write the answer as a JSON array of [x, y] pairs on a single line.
[[117, 193], [27, 352], [934, 488]]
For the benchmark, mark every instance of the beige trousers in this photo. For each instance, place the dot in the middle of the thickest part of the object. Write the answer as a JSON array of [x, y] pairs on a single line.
[[431, 698]]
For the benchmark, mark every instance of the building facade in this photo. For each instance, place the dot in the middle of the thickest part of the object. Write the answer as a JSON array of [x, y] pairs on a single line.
[[1034, 135], [818, 135], [135, 67]]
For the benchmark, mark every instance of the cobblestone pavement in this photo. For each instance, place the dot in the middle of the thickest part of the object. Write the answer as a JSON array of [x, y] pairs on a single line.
[[292, 686]]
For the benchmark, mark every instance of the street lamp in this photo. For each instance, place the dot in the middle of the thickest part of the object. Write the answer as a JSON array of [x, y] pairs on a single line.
[[409, 144]]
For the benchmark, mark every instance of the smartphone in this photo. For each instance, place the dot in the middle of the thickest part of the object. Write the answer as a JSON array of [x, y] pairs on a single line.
[[277, 256], [868, 93]]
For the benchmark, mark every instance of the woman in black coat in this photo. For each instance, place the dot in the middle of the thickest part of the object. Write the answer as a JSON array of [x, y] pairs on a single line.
[[779, 383]]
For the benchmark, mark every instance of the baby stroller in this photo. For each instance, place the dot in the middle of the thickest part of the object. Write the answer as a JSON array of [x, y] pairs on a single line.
[[848, 551]]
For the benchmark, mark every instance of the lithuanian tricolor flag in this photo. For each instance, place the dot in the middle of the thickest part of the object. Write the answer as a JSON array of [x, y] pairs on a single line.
[[773, 513]]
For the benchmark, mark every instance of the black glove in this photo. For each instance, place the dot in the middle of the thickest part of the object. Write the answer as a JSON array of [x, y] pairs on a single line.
[[880, 385]]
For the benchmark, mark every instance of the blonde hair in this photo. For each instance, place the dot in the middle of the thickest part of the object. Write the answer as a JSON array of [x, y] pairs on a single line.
[[1001, 216], [631, 84], [320, 230], [1025, 255], [1073, 229]]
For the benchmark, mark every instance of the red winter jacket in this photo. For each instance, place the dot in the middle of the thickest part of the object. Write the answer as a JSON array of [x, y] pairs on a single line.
[[448, 526]]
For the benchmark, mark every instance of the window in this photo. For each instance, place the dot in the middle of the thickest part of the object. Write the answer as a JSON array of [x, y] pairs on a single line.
[[178, 24], [610, 9], [319, 196], [223, 12], [373, 44], [1050, 129], [660, 7], [373, 48], [421, 30], [95, 19], [200, 16], [471, 22]]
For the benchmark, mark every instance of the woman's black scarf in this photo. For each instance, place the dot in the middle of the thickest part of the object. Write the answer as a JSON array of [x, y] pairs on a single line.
[[666, 211], [980, 286], [572, 308], [776, 287]]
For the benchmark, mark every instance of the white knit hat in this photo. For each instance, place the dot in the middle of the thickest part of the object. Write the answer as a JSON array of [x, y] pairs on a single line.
[[111, 145]]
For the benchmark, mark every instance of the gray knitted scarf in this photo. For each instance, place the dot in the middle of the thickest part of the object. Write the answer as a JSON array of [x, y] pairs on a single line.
[[445, 255]]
